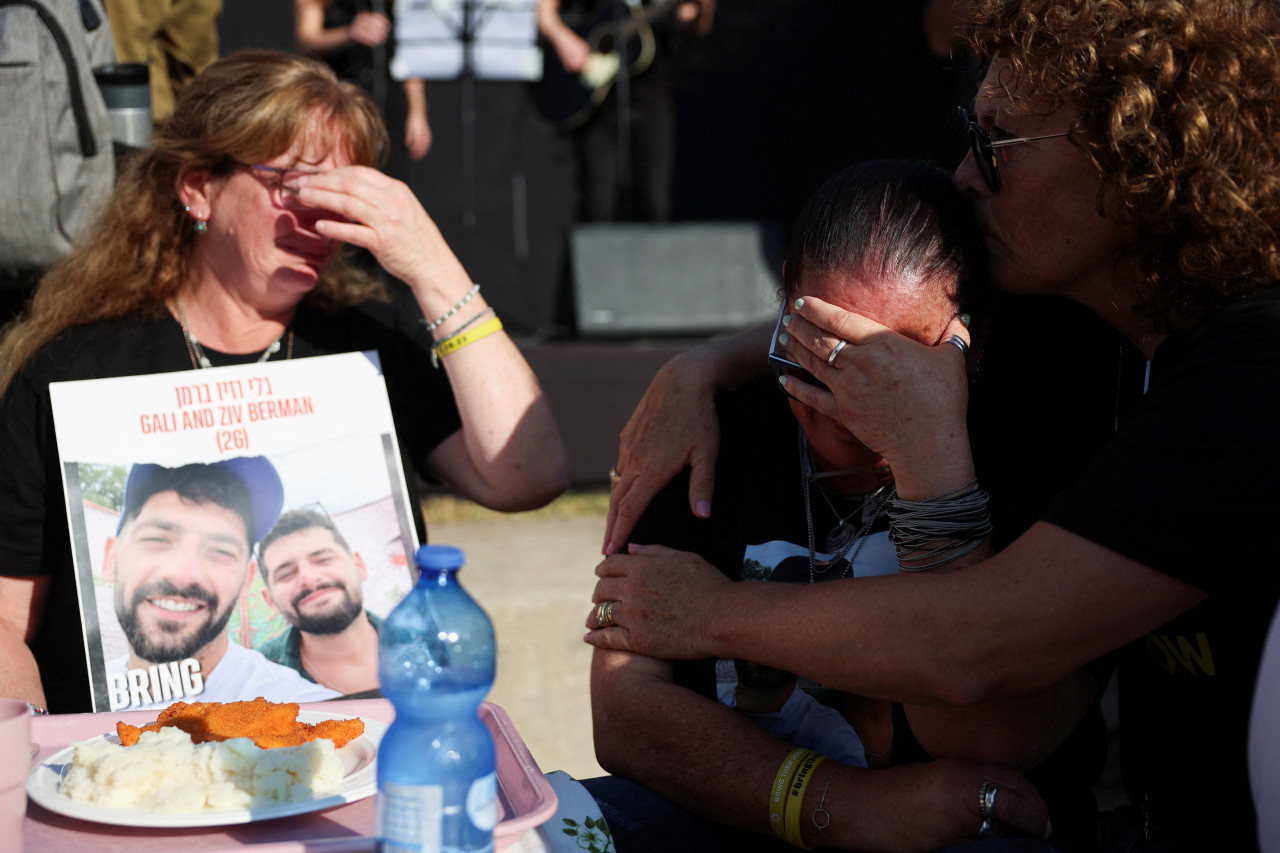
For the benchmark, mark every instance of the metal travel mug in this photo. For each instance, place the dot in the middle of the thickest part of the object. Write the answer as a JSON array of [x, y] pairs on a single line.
[[127, 90]]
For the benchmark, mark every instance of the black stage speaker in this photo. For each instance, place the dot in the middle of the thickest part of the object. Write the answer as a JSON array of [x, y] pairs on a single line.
[[691, 278]]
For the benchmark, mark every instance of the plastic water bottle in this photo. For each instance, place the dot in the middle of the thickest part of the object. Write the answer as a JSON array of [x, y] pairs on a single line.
[[437, 787]]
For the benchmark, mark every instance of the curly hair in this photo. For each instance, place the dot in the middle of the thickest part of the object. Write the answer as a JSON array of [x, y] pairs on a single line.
[[1181, 110], [246, 108]]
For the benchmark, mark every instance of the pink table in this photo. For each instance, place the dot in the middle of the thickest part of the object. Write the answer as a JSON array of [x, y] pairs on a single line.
[[525, 798]]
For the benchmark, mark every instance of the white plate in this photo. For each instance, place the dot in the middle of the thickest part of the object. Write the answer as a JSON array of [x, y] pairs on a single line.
[[359, 760]]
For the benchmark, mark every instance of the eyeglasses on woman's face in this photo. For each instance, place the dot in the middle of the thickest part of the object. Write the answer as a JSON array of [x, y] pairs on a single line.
[[783, 366], [282, 178], [984, 148]]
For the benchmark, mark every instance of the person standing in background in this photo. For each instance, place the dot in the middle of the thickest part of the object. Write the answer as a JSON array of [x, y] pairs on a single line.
[[175, 39], [344, 35], [640, 190]]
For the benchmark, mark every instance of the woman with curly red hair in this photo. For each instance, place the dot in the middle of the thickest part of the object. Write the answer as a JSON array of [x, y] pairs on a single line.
[[1125, 154]]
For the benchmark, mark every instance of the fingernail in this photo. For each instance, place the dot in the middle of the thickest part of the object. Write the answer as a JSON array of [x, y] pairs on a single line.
[[704, 509], [784, 338], [782, 380], [800, 303], [786, 319], [965, 318], [609, 549]]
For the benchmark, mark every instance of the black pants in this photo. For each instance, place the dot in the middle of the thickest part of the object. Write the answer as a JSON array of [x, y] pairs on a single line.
[[652, 164]]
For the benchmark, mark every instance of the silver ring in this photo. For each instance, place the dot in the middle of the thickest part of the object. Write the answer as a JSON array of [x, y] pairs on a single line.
[[604, 614], [831, 359], [984, 831], [960, 344], [987, 799]]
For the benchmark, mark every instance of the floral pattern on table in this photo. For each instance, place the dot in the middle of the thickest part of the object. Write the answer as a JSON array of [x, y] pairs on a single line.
[[577, 824], [591, 834]]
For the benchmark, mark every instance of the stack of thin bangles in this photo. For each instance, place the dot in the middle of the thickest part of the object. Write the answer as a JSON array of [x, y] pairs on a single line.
[[931, 533]]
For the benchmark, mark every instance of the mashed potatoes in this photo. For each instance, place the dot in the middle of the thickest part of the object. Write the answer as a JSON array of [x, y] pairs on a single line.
[[166, 772]]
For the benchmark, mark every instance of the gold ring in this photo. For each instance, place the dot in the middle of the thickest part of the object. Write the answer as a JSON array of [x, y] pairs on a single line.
[[604, 614], [614, 476]]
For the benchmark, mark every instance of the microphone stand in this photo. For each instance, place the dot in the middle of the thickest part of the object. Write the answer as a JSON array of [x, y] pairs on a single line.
[[379, 63], [622, 92]]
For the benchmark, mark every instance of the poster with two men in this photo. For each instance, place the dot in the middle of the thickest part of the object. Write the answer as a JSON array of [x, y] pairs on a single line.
[[237, 531]]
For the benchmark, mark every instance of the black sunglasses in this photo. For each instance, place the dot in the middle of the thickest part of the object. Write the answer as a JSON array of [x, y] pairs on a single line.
[[984, 149]]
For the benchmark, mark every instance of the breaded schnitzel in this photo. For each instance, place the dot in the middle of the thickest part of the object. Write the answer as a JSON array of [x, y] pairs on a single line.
[[269, 724]]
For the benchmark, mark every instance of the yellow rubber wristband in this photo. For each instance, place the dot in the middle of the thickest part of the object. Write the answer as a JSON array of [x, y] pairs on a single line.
[[795, 799], [778, 794], [470, 336]]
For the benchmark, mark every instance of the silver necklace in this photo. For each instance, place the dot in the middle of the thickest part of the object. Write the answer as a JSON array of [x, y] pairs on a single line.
[[839, 536], [846, 538], [200, 360]]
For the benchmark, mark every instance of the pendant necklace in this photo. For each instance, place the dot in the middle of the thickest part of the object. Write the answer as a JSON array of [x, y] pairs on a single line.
[[839, 536], [843, 537], [200, 360]]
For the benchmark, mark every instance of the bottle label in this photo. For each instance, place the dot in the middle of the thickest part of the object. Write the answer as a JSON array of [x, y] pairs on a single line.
[[408, 817], [482, 802]]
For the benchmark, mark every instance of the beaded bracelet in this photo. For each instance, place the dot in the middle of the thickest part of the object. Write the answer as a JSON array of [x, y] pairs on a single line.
[[431, 327], [457, 342], [795, 799], [781, 784]]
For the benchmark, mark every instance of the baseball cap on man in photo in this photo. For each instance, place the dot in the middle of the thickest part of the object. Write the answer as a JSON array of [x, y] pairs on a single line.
[[248, 485]]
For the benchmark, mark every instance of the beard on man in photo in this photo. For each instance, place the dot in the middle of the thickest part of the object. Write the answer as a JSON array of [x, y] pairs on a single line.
[[333, 621], [170, 644]]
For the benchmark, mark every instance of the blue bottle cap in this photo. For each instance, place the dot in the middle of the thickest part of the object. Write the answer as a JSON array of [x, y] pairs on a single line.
[[439, 558]]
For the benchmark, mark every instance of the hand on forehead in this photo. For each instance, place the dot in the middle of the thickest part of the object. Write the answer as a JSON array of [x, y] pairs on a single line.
[[916, 308]]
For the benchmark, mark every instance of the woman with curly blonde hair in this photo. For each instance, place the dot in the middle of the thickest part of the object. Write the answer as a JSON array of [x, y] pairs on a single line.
[[220, 246], [1124, 154]]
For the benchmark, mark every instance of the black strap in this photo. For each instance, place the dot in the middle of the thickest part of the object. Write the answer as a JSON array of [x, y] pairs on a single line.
[[89, 16], [88, 145]]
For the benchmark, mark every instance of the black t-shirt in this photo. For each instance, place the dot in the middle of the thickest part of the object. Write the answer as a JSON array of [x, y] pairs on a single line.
[[759, 492], [352, 61], [33, 518], [1190, 486]]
